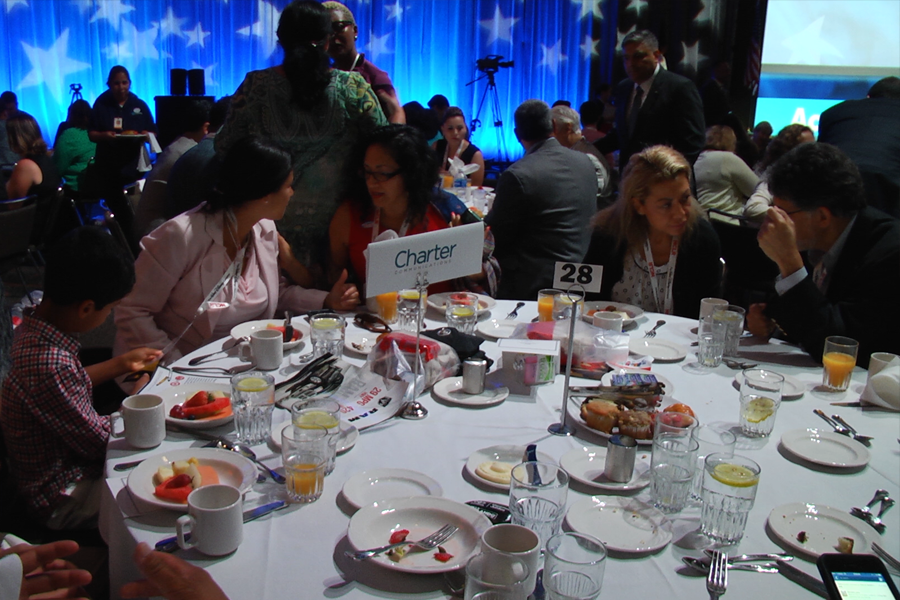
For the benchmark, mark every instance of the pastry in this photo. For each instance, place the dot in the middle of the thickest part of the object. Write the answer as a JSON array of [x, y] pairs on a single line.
[[637, 424], [601, 415]]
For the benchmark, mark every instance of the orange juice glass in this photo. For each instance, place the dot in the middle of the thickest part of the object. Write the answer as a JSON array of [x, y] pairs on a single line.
[[839, 358], [387, 307], [304, 453], [545, 304]]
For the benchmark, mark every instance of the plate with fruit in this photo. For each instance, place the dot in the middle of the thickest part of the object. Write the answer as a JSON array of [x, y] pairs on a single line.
[[198, 406], [301, 330], [439, 302], [165, 480]]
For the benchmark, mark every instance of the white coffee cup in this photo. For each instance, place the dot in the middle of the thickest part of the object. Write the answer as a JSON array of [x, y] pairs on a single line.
[[608, 320], [879, 360], [214, 521], [518, 541], [266, 349], [709, 305], [144, 421]]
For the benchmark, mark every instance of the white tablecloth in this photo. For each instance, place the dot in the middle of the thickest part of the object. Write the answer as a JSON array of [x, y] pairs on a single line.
[[298, 552]]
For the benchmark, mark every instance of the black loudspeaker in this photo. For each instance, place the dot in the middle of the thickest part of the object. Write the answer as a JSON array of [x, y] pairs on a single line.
[[169, 115], [197, 82], [178, 81]]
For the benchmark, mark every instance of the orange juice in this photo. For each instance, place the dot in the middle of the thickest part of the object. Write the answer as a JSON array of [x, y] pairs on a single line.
[[387, 307], [838, 367], [305, 480], [545, 308]]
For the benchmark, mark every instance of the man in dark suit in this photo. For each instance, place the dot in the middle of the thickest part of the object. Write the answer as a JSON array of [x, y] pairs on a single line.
[[543, 208], [653, 106], [848, 280], [868, 130]]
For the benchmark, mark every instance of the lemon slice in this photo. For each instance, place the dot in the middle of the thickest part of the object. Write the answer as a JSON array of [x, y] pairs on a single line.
[[409, 294], [252, 384], [462, 311], [326, 323], [735, 475], [316, 418], [759, 409]]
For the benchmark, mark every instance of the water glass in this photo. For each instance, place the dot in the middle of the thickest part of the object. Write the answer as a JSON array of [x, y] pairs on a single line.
[[672, 465], [573, 567], [411, 310], [711, 334], [496, 576], [326, 330], [729, 490], [545, 303], [565, 303], [674, 423], [760, 399], [839, 358], [537, 497], [712, 439], [252, 401], [462, 311], [304, 452], [733, 317], [323, 412]]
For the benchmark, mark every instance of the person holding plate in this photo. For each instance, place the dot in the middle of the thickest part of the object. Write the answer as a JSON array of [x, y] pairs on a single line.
[[655, 226]]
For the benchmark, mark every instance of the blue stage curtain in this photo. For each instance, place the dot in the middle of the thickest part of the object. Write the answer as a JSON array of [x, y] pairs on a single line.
[[427, 47]]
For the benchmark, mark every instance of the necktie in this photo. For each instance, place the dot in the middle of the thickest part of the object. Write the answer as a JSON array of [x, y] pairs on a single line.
[[819, 275], [635, 108]]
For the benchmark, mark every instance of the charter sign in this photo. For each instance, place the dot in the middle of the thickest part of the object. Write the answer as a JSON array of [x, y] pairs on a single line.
[[441, 255]]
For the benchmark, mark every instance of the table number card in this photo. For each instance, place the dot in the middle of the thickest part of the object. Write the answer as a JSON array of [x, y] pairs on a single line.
[[587, 276]]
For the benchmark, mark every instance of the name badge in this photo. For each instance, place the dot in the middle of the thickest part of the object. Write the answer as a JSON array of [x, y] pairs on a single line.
[[117, 123]]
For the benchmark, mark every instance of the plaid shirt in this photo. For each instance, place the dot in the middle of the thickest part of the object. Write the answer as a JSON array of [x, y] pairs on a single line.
[[54, 436]]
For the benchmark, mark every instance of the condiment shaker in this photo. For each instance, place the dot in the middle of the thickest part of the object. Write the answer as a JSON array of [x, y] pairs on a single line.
[[621, 451], [474, 370]]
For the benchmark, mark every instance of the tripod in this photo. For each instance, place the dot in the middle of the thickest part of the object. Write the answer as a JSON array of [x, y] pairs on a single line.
[[491, 92], [76, 92]]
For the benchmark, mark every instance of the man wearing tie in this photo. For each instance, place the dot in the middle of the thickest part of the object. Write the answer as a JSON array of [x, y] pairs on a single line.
[[654, 106], [847, 280]]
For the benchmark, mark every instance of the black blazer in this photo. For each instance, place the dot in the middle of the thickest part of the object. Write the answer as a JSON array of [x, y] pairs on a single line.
[[671, 114], [861, 302]]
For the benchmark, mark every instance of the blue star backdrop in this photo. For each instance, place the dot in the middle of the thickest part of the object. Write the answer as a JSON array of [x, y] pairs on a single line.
[[427, 46]]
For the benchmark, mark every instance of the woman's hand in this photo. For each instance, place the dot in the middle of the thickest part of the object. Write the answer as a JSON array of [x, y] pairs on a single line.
[[170, 577], [343, 296], [455, 219], [43, 570], [139, 358]]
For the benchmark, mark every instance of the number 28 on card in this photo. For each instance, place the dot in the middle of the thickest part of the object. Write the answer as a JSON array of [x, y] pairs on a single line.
[[569, 274]]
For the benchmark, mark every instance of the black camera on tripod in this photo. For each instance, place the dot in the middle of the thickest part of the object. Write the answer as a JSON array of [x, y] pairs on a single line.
[[493, 63]]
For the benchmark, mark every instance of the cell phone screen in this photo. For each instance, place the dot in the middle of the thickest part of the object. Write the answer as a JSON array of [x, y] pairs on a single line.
[[861, 585]]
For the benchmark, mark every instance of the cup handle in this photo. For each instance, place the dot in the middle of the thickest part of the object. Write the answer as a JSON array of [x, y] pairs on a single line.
[[245, 352], [113, 418], [185, 521]]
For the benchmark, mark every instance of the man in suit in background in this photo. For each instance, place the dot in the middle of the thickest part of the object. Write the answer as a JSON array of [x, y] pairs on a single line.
[[846, 281], [653, 105], [543, 208], [868, 131]]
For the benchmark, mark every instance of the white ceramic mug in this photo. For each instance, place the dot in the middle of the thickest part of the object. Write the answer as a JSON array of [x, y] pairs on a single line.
[[214, 521], [266, 349], [709, 305], [879, 360], [608, 320], [144, 421], [519, 541]]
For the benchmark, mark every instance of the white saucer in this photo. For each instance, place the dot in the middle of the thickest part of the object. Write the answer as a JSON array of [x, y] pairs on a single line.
[[181, 394], [823, 526], [633, 312], [359, 341], [497, 328], [825, 448], [793, 387], [622, 524], [245, 329], [370, 487], [660, 350], [439, 302], [450, 390], [585, 464], [347, 439], [508, 453], [669, 389]]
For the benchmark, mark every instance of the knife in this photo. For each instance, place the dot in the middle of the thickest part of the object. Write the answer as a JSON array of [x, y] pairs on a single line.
[[801, 578], [171, 544]]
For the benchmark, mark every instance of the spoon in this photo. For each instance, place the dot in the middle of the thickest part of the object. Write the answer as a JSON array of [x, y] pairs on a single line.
[[703, 566], [876, 522], [248, 453], [515, 312], [838, 428], [862, 439], [228, 345]]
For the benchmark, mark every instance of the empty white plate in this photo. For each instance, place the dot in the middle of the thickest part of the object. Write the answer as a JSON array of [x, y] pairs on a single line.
[[825, 448], [793, 387], [369, 487], [660, 350], [497, 328], [359, 341], [450, 390], [586, 464], [622, 524]]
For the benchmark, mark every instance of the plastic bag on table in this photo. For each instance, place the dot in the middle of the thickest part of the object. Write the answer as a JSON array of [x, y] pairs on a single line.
[[393, 356], [593, 350]]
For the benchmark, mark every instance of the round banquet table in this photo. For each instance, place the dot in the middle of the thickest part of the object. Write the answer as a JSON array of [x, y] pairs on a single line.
[[298, 551]]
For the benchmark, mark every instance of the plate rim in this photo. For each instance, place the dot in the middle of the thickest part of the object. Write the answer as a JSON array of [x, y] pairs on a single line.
[[809, 432], [186, 423], [739, 377], [639, 312], [452, 381], [481, 327], [680, 349], [471, 466], [622, 487], [476, 519], [398, 473], [296, 322], [575, 415], [803, 508], [490, 302], [590, 502], [355, 332]]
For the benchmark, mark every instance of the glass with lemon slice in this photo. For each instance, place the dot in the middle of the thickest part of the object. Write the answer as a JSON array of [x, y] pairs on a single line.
[[252, 400], [462, 311], [760, 399], [729, 490], [326, 331], [325, 413], [411, 309]]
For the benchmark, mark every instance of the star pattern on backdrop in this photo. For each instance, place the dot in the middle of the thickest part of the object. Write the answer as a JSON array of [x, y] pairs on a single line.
[[807, 46], [117, 51], [377, 46], [692, 57], [143, 43], [170, 25], [705, 12], [589, 7], [51, 66], [589, 47], [637, 5], [552, 57], [395, 11], [621, 36], [197, 36], [112, 11], [10, 4], [500, 27], [207, 73], [83, 5], [265, 27]]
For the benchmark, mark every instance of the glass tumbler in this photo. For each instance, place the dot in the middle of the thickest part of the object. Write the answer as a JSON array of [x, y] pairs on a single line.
[[760, 399], [839, 358], [304, 453], [729, 490], [733, 317], [545, 304], [712, 439], [496, 576], [252, 400], [411, 310], [462, 311], [573, 567], [672, 465], [323, 412], [568, 304], [711, 334], [537, 497], [326, 330]]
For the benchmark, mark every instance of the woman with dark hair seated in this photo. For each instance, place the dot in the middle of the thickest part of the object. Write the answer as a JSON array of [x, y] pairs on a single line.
[[231, 238], [654, 227], [394, 182], [35, 172], [787, 139], [456, 144], [74, 149]]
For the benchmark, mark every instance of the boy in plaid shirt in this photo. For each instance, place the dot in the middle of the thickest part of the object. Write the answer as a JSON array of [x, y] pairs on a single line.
[[55, 439]]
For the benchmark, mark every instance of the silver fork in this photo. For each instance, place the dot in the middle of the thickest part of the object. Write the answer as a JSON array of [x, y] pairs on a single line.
[[652, 332], [717, 580], [875, 521], [887, 558], [862, 439], [515, 312], [427, 543], [838, 428]]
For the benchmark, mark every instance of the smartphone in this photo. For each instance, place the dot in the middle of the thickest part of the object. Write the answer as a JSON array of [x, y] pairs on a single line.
[[856, 577], [470, 217]]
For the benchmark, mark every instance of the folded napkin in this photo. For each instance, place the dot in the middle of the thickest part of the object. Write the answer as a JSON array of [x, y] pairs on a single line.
[[883, 387], [144, 163], [154, 143]]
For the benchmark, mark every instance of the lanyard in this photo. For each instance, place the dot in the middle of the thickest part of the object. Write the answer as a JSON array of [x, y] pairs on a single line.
[[667, 306], [376, 225]]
